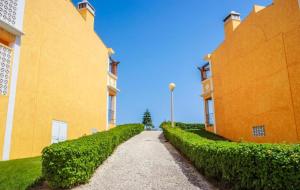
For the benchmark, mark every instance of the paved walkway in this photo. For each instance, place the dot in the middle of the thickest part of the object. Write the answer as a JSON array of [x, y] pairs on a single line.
[[146, 162]]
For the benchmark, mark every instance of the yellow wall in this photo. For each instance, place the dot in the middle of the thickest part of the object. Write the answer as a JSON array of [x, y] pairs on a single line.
[[256, 76], [62, 76], [88, 17]]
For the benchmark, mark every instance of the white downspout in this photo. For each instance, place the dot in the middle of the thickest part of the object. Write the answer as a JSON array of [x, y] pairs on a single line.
[[212, 97]]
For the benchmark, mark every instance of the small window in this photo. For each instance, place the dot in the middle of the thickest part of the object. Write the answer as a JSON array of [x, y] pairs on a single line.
[[59, 131], [259, 131], [209, 111]]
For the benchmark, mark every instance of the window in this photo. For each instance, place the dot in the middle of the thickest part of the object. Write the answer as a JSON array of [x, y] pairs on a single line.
[[209, 111], [59, 131], [111, 110], [259, 131]]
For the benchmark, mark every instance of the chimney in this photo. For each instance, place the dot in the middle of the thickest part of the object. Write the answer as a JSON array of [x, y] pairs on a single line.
[[231, 22], [87, 11]]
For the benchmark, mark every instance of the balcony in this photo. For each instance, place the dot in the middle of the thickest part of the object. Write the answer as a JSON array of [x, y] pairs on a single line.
[[11, 15], [207, 88], [5, 66], [112, 82]]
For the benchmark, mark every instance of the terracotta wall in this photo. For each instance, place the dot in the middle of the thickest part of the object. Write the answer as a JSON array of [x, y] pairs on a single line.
[[256, 76]]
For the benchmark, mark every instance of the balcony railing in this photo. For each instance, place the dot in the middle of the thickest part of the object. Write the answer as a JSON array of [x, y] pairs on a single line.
[[210, 119], [111, 116], [11, 15], [206, 87], [112, 81], [5, 66]]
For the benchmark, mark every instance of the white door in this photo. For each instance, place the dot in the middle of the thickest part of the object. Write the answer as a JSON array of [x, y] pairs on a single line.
[[59, 131]]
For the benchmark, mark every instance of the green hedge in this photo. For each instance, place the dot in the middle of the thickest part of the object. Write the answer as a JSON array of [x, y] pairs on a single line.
[[70, 163], [207, 134], [185, 126], [240, 165]]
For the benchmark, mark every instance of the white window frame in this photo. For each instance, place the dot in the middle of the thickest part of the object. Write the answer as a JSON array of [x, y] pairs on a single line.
[[62, 131]]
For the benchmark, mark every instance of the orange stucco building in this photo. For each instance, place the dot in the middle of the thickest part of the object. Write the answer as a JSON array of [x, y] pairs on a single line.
[[58, 80], [251, 82]]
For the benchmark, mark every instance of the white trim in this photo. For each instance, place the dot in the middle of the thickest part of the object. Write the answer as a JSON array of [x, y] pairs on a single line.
[[20, 14], [299, 3], [10, 28], [212, 96], [12, 97], [115, 109], [204, 106], [114, 76], [215, 122], [107, 108], [107, 96]]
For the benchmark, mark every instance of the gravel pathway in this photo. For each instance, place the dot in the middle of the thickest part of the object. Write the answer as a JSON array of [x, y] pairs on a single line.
[[145, 162]]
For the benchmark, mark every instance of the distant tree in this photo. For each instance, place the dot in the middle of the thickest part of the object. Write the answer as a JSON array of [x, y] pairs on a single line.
[[147, 120]]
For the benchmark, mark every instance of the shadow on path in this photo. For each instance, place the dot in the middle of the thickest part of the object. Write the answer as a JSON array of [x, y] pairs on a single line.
[[185, 165]]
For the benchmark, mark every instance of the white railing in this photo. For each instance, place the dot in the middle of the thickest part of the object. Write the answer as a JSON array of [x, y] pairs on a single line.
[[11, 15], [5, 66], [112, 80]]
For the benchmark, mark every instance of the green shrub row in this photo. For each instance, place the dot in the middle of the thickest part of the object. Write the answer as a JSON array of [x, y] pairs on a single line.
[[207, 134], [185, 126], [240, 165], [70, 163]]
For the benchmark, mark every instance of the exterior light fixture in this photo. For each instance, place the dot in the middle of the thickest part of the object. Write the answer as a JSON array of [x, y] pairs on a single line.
[[172, 86]]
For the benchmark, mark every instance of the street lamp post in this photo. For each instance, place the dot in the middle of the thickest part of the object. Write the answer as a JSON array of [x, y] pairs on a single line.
[[172, 87]]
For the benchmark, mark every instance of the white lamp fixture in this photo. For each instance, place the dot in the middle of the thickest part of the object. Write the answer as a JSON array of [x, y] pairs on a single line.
[[172, 86]]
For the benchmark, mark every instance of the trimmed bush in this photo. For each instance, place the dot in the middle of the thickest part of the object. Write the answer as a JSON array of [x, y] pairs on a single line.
[[70, 163], [207, 134], [240, 165], [185, 126]]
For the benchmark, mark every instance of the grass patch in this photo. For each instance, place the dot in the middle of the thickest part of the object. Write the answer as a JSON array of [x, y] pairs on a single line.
[[20, 174]]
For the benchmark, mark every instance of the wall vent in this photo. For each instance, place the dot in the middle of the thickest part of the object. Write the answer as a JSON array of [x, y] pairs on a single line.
[[94, 130], [259, 131]]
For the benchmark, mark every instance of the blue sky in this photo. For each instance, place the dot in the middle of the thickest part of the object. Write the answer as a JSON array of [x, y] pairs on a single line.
[[163, 41]]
